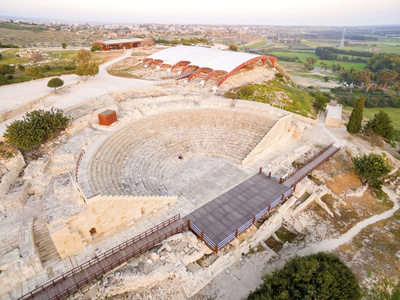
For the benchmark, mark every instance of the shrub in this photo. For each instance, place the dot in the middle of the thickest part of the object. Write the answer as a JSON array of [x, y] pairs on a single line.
[[317, 276], [371, 168], [36, 127]]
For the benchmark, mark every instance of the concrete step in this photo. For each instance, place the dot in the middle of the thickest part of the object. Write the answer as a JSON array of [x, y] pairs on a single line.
[[47, 250]]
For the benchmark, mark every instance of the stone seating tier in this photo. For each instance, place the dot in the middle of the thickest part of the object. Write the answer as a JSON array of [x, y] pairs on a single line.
[[140, 158]]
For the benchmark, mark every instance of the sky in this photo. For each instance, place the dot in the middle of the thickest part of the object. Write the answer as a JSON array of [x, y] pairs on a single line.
[[251, 12]]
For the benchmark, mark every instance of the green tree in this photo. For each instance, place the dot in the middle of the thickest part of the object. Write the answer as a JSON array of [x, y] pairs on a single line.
[[386, 77], [312, 60], [371, 169], [55, 83], [317, 276], [35, 127], [308, 66], [356, 117], [320, 101], [87, 69], [95, 47], [233, 47], [83, 55], [6, 69], [34, 72], [382, 125], [362, 77], [64, 45], [21, 67]]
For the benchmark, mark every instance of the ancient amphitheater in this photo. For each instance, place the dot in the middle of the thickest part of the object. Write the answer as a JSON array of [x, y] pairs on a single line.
[[172, 150], [140, 158]]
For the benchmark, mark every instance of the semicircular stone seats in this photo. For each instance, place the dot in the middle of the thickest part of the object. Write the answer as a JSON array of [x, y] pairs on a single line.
[[138, 159]]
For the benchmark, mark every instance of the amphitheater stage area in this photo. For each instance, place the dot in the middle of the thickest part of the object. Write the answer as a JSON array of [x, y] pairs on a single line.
[[224, 218]]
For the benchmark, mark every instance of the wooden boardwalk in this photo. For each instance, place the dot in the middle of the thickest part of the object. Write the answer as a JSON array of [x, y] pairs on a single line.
[[71, 281], [310, 166]]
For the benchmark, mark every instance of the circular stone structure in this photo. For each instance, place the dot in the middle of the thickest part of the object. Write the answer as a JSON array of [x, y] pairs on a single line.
[[141, 158]]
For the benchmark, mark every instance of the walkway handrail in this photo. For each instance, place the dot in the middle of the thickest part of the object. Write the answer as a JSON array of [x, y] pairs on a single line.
[[309, 160], [104, 255]]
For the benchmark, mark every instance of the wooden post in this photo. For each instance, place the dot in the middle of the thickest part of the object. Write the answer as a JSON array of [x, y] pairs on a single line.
[[254, 220], [189, 224], [269, 175], [280, 180], [269, 208], [294, 188], [216, 248], [260, 170], [202, 236], [236, 233], [282, 197]]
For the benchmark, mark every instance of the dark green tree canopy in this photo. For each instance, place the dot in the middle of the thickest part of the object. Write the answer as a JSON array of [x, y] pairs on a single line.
[[356, 117], [371, 169], [83, 55], [382, 125], [317, 276], [87, 69], [95, 47], [35, 127], [55, 83]]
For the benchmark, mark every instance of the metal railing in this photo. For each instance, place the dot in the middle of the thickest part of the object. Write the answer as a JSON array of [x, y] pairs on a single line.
[[234, 234], [108, 267]]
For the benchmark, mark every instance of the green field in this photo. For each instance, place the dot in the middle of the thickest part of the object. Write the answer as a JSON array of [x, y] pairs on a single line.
[[304, 55], [257, 45], [394, 114]]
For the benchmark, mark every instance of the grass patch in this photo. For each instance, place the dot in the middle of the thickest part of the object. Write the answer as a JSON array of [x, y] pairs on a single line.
[[394, 113], [257, 45], [285, 235], [278, 93], [303, 55], [274, 244]]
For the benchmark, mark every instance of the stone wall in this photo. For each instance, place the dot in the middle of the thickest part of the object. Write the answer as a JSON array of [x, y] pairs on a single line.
[[14, 166], [333, 122], [103, 215], [305, 119], [278, 134]]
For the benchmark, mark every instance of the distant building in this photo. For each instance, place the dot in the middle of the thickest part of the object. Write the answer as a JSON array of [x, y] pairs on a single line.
[[333, 114], [119, 44]]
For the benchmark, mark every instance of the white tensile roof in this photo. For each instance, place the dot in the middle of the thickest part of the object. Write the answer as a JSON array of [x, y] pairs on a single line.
[[121, 41], [202, 57]]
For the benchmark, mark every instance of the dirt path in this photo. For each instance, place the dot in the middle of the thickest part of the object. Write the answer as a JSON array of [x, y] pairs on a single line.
[[332, 244]]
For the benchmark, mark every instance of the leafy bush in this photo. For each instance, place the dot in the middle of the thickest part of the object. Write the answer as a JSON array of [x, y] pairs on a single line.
[[371, 169], [36, 127], [317, 276]]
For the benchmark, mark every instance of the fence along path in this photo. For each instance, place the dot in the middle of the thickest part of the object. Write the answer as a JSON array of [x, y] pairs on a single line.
[[311, 165], [69, 282]]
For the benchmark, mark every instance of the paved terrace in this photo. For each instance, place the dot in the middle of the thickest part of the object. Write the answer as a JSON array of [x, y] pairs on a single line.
[[221, 220]]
